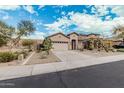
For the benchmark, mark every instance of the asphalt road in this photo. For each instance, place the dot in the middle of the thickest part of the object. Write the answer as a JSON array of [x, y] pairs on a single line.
[[110, 75]]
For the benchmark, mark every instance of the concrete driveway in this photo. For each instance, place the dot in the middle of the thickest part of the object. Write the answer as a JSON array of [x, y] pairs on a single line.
[[71, 56]]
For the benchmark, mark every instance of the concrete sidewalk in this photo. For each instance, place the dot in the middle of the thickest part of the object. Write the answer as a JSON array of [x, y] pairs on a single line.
[[29, 70]]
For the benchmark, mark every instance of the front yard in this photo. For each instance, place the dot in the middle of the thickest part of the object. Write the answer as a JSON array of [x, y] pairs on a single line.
[[8, 58], [95, 53], [38, 58], [41, 58]]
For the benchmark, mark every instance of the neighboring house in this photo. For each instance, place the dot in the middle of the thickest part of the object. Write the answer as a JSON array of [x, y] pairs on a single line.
[[72, 41], [117, 42]]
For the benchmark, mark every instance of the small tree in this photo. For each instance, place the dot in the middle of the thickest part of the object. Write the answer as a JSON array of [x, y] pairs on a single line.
[[27, 43], [3, 40], [25, 28], [90, 44], [6, 33], [99, 44], [47, 45]]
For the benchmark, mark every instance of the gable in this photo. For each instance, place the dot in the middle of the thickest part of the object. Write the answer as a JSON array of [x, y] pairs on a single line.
[[59, 38], [73, 33], [73, 36]]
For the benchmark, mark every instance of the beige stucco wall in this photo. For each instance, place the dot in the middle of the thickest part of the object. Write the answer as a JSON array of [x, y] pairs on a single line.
[[60, 38], [80, 44], [81, 37]]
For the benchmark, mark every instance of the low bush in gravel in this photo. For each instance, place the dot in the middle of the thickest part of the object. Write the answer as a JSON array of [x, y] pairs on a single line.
[[10, 56], [120, 50], [7, 56]]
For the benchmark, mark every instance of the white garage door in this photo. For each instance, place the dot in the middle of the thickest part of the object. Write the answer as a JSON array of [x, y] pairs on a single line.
[[60, 46]]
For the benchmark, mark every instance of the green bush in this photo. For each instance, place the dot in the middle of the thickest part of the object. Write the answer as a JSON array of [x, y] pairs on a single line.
[[90, 44], [6, 56], [25, 53], [9, 56], [16, 54], [120, 50]]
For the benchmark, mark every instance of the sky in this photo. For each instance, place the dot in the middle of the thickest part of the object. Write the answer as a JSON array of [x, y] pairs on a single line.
[[50, 19]]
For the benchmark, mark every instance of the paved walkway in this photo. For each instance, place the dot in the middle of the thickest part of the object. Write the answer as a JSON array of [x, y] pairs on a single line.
[[69, 59]]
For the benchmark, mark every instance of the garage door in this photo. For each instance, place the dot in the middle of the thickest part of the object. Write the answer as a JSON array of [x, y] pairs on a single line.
[[60, 46]]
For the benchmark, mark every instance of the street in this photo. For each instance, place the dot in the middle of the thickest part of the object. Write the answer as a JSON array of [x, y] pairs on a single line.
[[109, 75]]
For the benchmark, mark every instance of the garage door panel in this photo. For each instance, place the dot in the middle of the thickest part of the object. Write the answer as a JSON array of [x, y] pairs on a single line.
[[60, 46]]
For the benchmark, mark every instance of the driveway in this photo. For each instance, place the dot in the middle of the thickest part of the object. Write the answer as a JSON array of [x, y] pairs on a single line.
[[71, 56]]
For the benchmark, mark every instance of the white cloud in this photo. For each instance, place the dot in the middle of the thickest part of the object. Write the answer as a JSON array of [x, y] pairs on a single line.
[[36, 21], [100, 10], [85, 23], [30, 9], [9, 7], [41, 6], [59, 6], [6, 17], [63, 13], [36, 35], [103, 10], [119, 10], [93, 10], [58, 25], [107, 18]]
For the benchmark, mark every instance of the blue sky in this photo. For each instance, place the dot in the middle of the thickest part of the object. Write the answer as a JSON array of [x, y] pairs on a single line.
[[48, 20]]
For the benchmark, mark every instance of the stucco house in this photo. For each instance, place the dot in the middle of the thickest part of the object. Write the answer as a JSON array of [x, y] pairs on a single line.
[[72, 41]]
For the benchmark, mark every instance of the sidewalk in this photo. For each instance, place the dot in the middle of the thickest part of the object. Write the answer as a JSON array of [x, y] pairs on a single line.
[[29, 70]]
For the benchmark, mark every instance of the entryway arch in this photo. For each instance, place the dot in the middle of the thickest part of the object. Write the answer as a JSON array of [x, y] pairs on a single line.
[[73, 44]]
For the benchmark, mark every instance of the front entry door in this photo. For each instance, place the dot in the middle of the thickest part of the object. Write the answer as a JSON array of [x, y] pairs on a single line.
[[73, 44]]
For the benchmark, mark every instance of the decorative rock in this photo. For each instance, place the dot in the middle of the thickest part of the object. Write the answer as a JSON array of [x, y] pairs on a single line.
[[20, 58], [43, 55]]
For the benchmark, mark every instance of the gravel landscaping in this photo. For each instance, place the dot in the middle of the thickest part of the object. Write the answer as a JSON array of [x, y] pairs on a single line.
[[13, 63], [38, 59], [100, 53]]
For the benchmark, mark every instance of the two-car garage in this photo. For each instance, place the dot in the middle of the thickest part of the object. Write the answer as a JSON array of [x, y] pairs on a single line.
[[59, 41], [60, 45]]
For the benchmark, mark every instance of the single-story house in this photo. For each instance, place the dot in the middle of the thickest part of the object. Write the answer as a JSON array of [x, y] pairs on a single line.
[[72, 41]]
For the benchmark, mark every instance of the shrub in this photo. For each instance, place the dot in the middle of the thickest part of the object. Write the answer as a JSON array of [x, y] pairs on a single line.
[[25, 53], [16, 54], [120, 50], [118, 46], [90, 44], [47, 45], [9, 56], [6, 56], [27, 43]]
